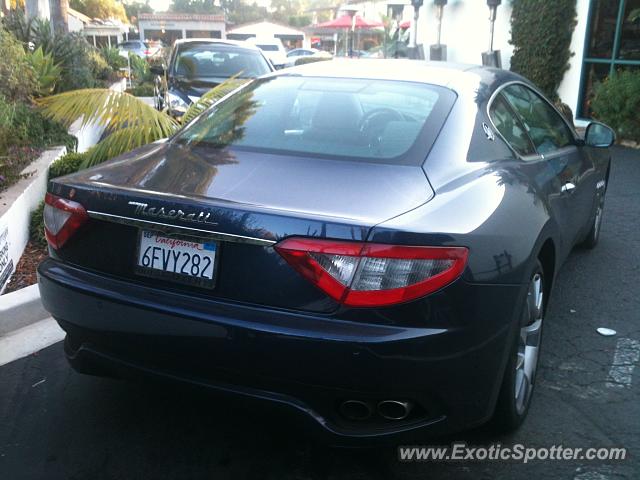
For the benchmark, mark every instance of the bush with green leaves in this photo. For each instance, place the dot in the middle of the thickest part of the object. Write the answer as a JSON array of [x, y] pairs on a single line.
[[310, 59], [17, 78], [616, 102], [70, 51], [47, 72], [29, 127], [113, 58], [67, 164], [22, 125], [100, 69], [36, 226], [541, 32], [143, 90], [139, 69]]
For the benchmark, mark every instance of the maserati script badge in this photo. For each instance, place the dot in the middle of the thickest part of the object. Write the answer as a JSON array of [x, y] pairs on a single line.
[[154, 212]]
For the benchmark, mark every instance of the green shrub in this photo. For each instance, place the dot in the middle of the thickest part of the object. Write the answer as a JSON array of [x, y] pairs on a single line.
[[616, 102], [142, 90], [30, 128], [310, 59], [17, 78], [139, 69], [541, 33], [70, 51], [73, 53], [100, 69], [67, 164], [36, 226], [19, 26], [113, 58], [46, 71]]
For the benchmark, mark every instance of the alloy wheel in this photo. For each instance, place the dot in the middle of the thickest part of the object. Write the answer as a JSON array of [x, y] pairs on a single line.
[[529, 342]]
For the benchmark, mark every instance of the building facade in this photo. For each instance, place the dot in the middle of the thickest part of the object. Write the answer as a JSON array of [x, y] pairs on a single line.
[[170, 27], [605, 39]]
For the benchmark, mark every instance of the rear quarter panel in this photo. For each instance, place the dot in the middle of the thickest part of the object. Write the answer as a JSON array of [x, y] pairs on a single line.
[[483, 199]]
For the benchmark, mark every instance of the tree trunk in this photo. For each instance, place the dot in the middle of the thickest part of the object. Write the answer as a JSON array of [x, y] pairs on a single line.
[[59, 12]]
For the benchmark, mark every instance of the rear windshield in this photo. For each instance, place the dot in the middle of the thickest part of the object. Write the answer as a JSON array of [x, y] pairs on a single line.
[[327, 117], [206, 60]]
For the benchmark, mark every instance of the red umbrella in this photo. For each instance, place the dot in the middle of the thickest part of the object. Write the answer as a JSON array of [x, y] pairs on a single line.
[[405, 24], [346, 21]]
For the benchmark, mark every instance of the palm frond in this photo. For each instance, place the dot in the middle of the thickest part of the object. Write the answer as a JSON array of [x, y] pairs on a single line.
[[211, 97], [119, 142], [108, 108]]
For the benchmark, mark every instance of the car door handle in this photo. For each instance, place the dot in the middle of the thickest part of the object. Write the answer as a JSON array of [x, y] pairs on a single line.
[[568, 188]]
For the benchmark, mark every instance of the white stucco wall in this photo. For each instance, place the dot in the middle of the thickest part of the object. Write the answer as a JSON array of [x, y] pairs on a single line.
[[569, 89], [75, 24], [465, 31]]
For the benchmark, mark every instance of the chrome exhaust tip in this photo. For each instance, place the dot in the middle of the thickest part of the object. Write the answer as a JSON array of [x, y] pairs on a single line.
[[355, 410], [394, 409]]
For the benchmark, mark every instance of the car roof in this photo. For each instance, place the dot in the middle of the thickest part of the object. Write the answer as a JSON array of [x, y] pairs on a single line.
[[455, 76], [213, 41]]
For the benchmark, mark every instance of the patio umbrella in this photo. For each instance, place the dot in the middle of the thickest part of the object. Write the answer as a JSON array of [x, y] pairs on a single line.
[[346, 23]]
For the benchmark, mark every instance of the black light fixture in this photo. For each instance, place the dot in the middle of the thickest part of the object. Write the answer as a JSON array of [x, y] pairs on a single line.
[[491, 58], [439, 51], [415, 50]]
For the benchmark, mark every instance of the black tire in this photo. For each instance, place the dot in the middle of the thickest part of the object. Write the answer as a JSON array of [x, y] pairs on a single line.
[[511, 410], [591, 240]]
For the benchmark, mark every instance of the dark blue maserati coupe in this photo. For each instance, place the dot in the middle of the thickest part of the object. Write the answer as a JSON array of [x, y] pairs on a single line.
[[371, 243]]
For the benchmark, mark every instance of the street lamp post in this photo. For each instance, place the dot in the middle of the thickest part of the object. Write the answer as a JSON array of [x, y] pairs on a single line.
[[349, 44], [394, 12], [439, 51], [415, 51], [491, 58]]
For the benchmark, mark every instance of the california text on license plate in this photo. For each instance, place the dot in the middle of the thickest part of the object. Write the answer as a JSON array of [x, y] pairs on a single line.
[[180, 259]]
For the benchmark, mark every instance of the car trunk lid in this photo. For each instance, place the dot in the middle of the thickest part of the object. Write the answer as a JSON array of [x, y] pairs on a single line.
[[247, 201]]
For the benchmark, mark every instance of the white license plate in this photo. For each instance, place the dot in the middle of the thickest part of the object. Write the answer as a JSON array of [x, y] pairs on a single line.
[[180, 259]]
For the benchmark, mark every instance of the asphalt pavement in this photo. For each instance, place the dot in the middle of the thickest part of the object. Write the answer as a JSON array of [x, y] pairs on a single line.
[[57, 424]]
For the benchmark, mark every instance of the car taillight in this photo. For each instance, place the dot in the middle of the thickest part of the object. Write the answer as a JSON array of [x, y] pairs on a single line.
[[367, 274], [62, 218]]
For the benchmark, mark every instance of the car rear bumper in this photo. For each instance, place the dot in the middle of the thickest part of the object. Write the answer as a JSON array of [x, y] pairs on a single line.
[[310, 363]]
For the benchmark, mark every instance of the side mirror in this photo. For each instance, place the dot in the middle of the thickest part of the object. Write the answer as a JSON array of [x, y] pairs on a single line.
[[157, 69], [599, 135]]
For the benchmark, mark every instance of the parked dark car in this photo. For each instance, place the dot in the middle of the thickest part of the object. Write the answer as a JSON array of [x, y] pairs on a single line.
[[371, 243], [195, 66]]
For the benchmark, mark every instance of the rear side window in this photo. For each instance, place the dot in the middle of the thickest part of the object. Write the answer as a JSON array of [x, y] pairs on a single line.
[[510, 126], [545, 126], [364, 119]]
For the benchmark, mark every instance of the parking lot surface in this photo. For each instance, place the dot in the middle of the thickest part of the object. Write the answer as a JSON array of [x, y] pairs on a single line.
[[57, 424]]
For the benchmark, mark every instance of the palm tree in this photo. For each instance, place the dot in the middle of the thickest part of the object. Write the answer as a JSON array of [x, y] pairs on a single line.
[[59, 12], [131, 121]]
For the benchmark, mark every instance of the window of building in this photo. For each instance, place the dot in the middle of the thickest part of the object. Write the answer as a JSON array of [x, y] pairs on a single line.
[[613, 43]]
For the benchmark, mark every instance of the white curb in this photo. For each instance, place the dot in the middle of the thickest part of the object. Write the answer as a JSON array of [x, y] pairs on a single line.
[[30, 339], [20, 308]]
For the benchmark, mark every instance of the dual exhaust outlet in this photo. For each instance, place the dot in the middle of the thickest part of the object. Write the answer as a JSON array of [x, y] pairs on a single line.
[[360, 410]]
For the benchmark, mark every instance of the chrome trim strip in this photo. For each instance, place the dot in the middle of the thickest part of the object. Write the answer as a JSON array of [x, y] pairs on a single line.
[[165, 227]]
